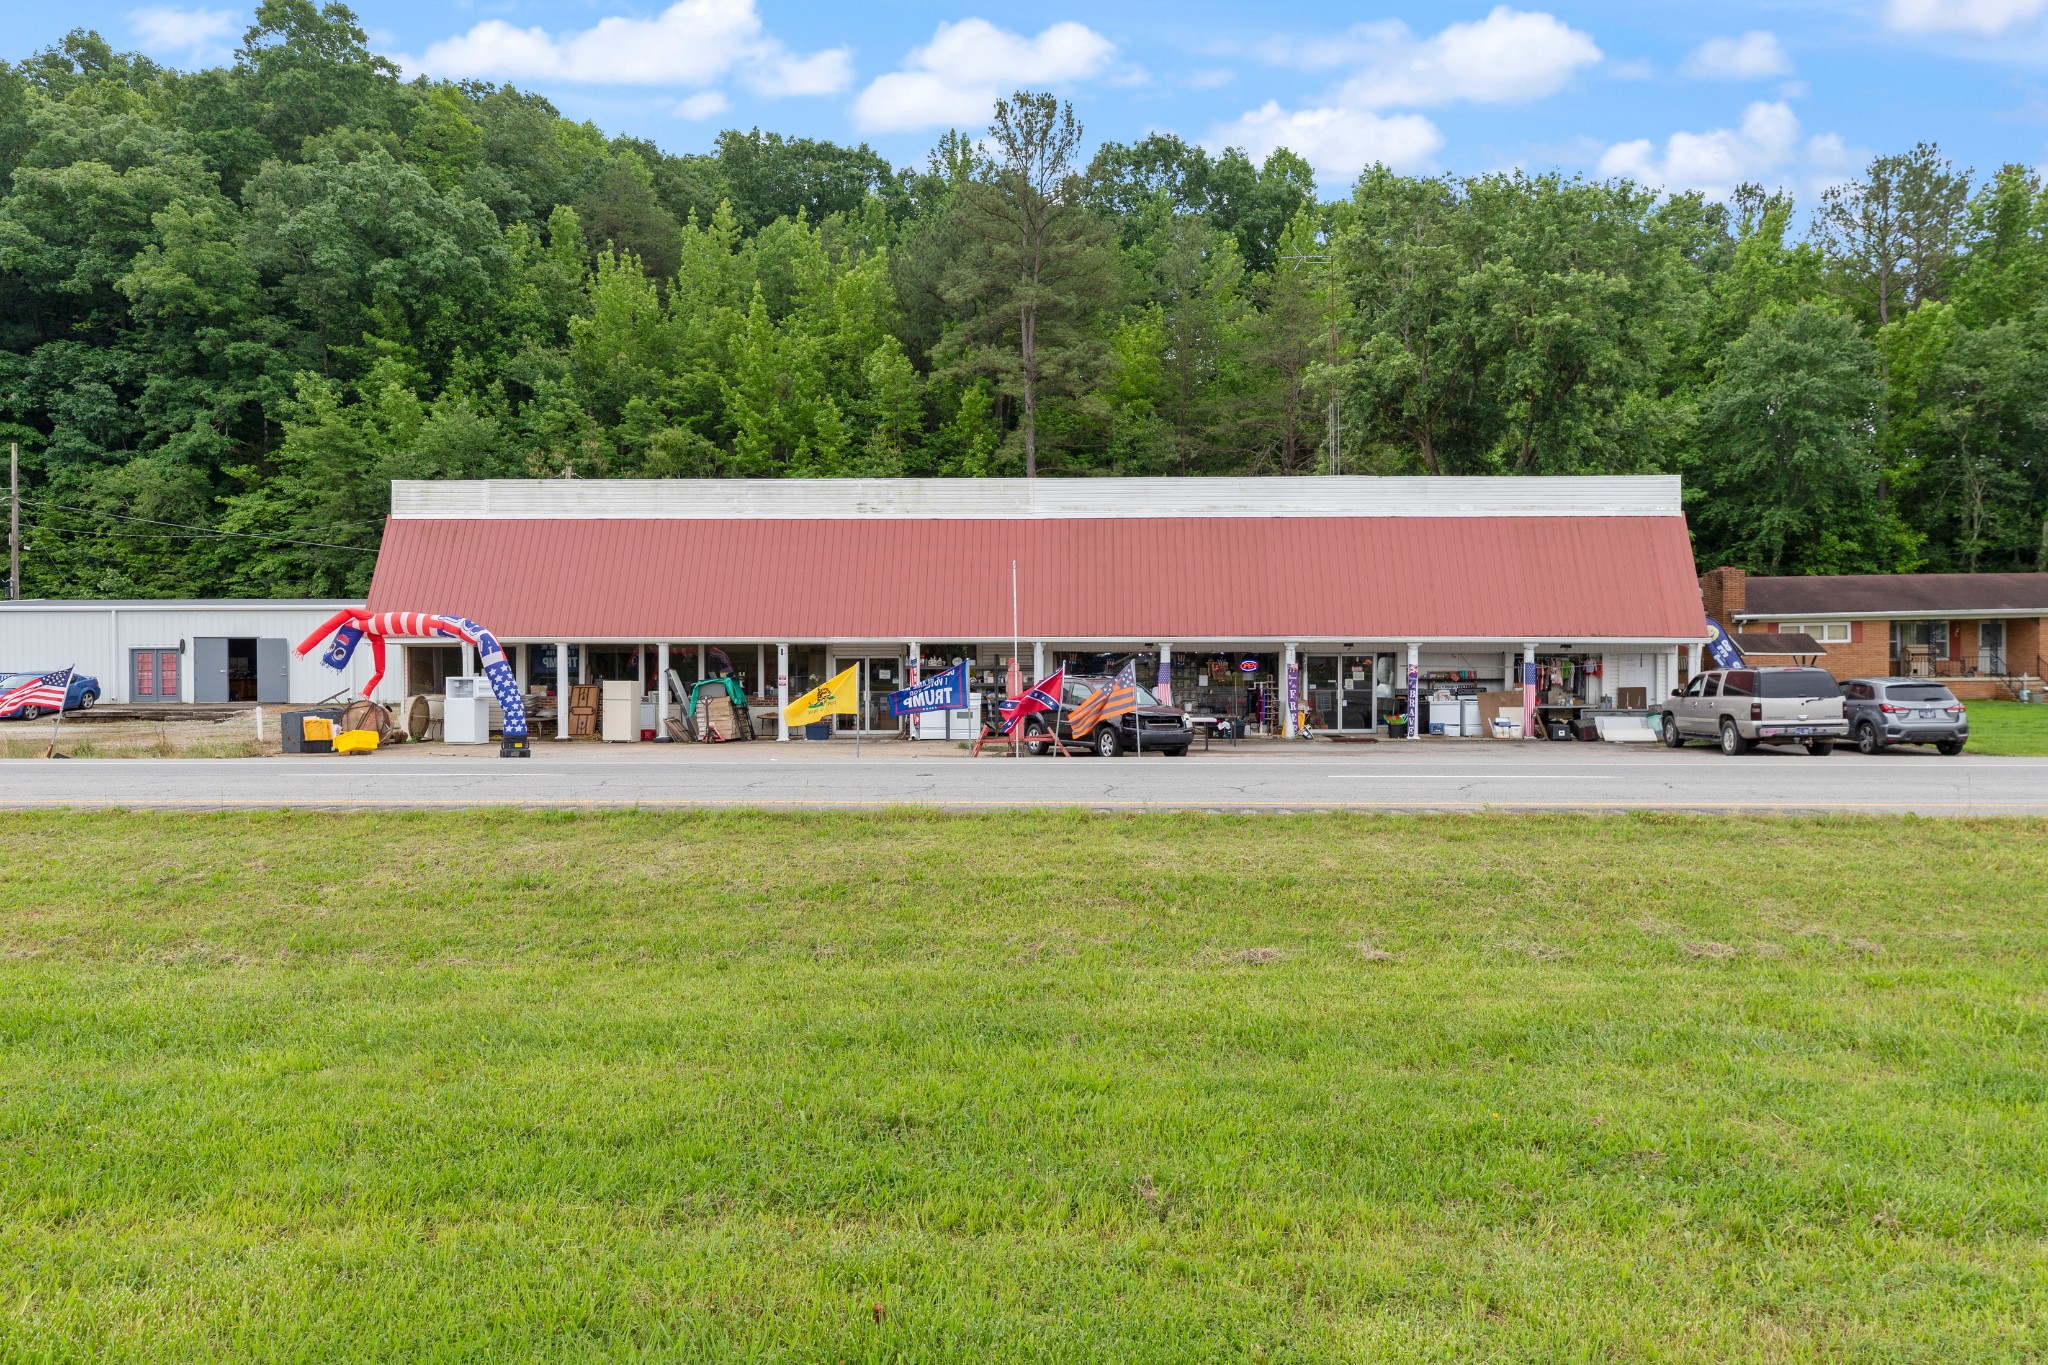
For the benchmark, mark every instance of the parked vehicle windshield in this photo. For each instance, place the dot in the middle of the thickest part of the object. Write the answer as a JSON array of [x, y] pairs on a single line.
[[1798, 682], [1933, 694]]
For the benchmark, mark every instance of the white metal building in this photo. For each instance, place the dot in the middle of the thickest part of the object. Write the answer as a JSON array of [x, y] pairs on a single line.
[[190, 651]]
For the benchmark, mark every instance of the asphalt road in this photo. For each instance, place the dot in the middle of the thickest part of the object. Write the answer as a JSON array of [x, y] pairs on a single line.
[[1449, 777]]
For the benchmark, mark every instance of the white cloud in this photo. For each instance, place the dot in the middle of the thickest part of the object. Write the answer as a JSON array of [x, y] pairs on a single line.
[[704, 104], [197, 33], [821, 73], [1337, 141], [1508, 57], [1211, 78], [1766, 148], [1752, 57], [957, 76], [1983, 18], [692, 42]]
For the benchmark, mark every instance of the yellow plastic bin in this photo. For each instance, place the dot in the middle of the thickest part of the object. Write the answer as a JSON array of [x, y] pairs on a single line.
[[356, 742]]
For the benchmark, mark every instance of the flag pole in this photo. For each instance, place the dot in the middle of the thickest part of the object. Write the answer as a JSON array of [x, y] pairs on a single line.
[[58, 720], [1016, 647]]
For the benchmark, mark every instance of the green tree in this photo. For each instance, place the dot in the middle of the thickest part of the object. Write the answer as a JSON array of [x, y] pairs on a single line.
[[1785, 478], [1039, 270]]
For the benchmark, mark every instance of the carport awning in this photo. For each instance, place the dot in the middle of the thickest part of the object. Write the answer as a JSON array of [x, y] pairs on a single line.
[[1547, 578]]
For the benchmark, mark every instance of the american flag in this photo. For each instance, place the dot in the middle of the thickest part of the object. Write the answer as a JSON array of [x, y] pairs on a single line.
[[1105, 704], [46, 692]]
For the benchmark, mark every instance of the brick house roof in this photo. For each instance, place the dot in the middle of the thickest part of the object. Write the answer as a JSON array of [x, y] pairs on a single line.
[[1794, 597]]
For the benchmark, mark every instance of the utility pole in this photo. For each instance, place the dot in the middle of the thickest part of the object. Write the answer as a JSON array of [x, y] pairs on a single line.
[[1336, 440], [14, 521]]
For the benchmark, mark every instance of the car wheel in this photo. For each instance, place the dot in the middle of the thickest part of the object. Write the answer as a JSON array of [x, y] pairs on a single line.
[[1820, 748], [88, 700], [1672, 739], [1108, 742], [30, 712], [1732, 741], [1949, 748], [1867, 739], [1034, 742]]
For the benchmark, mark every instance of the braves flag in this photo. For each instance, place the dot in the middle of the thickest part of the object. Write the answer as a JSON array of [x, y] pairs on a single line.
[[1043, 696], [1721, 647]]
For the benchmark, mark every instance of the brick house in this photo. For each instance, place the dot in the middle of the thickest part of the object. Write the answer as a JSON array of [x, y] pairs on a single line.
[[1981, 631]]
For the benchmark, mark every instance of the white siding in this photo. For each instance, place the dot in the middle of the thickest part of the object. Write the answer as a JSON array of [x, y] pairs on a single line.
[[96, 637], [956, 499]]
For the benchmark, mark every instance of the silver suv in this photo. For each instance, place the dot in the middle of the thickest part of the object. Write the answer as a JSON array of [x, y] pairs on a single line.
[[1887, 711], [1744, 707]]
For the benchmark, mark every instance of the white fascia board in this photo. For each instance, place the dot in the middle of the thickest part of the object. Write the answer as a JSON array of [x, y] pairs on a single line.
[[1974, 614], [1032, 499], [1321, 643], [170, 604]]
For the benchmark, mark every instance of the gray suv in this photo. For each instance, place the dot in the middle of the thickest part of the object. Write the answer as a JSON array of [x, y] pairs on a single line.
[[1741, 708], [1887, 711]]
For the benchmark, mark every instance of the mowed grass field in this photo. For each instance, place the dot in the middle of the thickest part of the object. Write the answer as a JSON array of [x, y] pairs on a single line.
[[916, 1087], [2008, 728]]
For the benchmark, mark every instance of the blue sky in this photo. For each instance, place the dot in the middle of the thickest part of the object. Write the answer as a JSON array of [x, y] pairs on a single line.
[[1797, 93]]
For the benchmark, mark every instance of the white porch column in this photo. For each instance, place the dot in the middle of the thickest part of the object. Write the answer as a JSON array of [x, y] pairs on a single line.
[[1164, 691], [1037, 662], [703, 667], [583, 664], [916, 675], [468, 659], [1288, 719], [661, 675], [561, 689], [1529, 727], [782, 693], [1414, 691], [760, 668], [640, 667], [522, 665]]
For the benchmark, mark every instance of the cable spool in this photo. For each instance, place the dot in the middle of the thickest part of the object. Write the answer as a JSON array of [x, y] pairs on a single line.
[[365, 715], [423, 717]]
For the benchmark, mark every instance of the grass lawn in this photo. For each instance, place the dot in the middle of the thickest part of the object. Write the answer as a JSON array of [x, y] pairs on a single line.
[[2007, 727], [914, 1087]]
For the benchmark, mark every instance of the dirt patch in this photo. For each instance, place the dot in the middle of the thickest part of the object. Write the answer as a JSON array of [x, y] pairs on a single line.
[[1367, 951]]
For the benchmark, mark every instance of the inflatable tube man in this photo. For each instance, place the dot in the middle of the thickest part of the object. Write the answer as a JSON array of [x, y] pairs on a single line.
[[351, 625]]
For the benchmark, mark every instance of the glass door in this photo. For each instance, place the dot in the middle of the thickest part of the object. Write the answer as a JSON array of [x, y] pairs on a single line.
[[1321, 677], [882, 674]]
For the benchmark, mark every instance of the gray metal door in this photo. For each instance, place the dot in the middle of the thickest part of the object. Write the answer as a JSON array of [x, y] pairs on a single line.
[[209, 668], [273, 671]]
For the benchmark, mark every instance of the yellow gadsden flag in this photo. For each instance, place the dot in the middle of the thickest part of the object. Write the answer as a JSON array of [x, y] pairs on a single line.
[[833, 697]]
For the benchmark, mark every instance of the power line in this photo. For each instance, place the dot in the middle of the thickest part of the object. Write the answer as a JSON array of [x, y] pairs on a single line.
[[202, 532]]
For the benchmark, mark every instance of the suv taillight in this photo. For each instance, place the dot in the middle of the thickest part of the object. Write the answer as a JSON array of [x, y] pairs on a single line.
[[1756, 710], [1891, 710]]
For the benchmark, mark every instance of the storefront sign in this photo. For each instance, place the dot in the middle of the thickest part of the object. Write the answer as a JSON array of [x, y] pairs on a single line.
[[1414, 701], [1248, 666], [945, 692], [1294, 689]]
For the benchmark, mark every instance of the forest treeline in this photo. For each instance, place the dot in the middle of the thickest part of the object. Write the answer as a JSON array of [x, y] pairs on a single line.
[[235, 303]]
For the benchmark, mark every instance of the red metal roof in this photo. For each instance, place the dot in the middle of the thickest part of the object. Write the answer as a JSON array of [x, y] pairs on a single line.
[[1553, 578]]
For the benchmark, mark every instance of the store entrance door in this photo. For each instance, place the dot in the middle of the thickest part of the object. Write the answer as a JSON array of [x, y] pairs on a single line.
[[1321, 683], [882, 674]]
